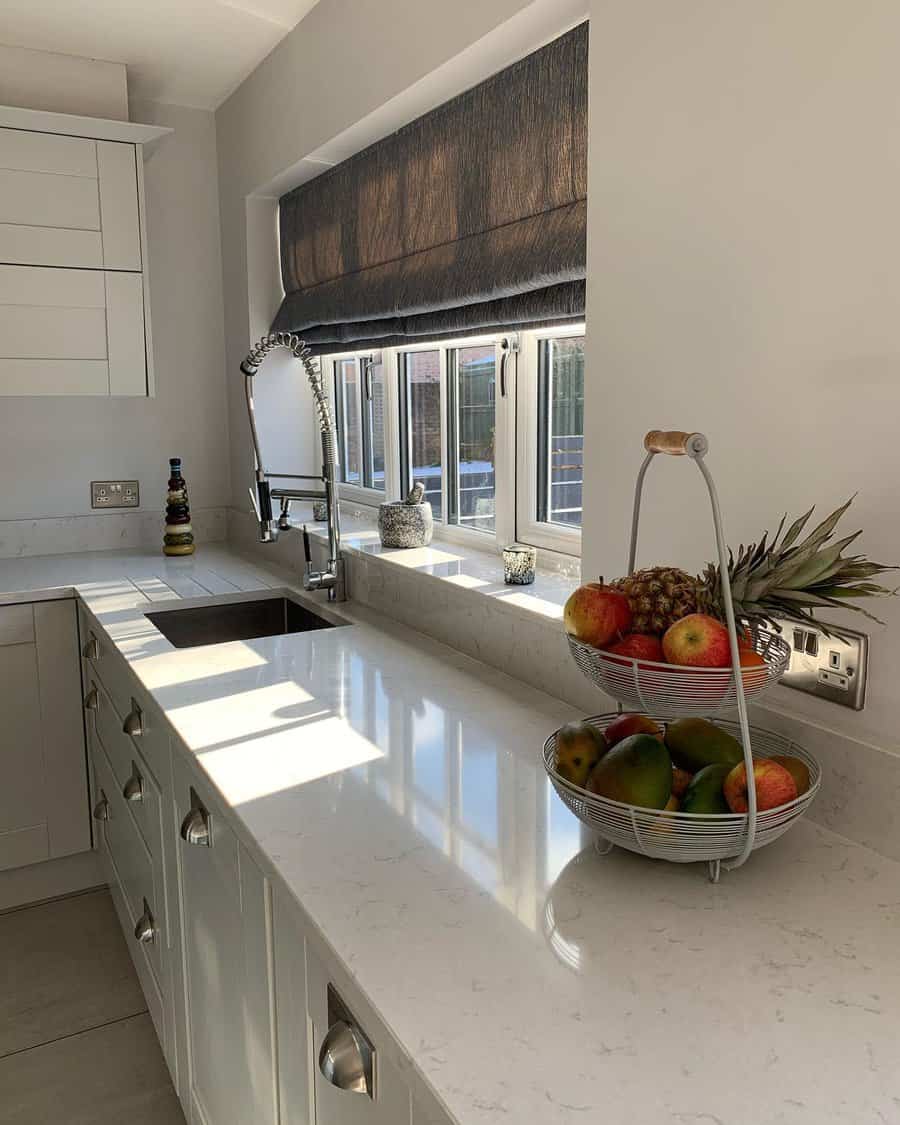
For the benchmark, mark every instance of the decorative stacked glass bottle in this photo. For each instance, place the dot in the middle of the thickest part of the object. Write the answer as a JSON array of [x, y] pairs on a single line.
[[179, 537]]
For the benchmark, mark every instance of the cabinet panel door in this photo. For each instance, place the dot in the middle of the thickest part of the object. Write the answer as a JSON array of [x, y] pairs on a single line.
[[226, 934], [24, 151], [41, 199], [50, 246], [295, 1060], [21, 759], [125, 334], [391, 1103], [119, 206], [62, 729], [54, 314], [213, 955]]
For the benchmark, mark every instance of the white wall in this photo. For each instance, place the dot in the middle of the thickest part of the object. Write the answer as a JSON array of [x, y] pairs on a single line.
[[52, 448], [744, 280], [346, 75], [63, 83]]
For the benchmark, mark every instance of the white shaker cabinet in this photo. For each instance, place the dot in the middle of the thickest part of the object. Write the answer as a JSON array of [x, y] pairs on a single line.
[[43, 800], [225, 912], [73, 302]]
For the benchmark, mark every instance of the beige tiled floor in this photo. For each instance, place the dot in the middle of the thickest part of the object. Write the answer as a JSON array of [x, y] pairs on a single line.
[[76, 1042]]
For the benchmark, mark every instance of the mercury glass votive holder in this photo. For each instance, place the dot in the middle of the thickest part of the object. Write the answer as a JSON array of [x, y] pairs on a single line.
[[320, 511], [518, 565]]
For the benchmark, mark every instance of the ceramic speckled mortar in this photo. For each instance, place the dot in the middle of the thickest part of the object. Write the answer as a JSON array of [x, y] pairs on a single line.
[[406, 523]]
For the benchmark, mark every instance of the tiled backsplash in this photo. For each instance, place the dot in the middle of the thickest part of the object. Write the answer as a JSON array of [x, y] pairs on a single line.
[[106, 531], [861, 782]]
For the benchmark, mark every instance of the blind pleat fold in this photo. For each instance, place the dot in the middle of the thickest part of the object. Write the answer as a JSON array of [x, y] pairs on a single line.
[[470, 218]]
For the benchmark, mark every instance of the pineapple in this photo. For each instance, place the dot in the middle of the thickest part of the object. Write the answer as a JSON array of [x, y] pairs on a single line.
[[658, 597], [782, 579]]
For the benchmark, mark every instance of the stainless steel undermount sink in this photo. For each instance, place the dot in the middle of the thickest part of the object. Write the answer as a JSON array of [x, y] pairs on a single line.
[[236, 621]]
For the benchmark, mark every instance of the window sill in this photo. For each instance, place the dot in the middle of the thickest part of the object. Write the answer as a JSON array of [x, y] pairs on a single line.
[[478, 571]]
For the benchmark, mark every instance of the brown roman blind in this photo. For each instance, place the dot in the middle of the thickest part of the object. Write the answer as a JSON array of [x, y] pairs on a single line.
[[470, 219]]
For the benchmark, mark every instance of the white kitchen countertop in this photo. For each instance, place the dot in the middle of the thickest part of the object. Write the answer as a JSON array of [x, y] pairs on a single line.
[[396, 789]]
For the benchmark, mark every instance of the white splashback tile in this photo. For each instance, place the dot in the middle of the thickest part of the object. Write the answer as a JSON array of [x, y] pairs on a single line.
[[105, 531]]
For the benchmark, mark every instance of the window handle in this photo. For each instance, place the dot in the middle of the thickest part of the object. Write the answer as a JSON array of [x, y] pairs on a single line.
[[372, 361], [509, 345]]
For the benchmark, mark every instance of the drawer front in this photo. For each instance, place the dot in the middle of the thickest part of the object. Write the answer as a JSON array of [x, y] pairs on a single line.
[[112, 670], [132, 775], [130, 861], [102, 659], [16, 625]]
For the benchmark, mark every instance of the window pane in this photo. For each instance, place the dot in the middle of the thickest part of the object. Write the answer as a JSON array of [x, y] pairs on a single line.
[[422, 371], [562, 428], [472, 426], [374, 415], [346, 391]]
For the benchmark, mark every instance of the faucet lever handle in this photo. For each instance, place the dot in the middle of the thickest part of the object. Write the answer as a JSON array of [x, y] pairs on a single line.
[[255, 503], [307, 550]]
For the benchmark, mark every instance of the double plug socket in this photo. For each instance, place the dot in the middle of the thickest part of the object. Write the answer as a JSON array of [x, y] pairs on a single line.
[[829, 667], [115, 494]]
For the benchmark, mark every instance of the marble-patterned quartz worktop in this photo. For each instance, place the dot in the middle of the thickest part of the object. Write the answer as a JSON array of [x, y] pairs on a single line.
[[394, 787]]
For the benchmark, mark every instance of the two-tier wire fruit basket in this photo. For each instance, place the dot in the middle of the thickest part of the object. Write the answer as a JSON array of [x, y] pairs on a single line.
[[664, 692]]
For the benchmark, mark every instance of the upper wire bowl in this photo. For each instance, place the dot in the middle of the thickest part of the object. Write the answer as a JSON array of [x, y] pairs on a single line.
[[670, 690], [685, 837]]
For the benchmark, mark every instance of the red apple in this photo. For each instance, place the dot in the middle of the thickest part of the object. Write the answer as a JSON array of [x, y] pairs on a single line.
[[798, 770], [597, 614], [697, 641], [628, 724], [774, 786], [638, 646]]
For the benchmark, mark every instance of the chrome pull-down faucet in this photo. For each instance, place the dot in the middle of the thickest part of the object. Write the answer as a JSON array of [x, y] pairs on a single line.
[[332, 578]]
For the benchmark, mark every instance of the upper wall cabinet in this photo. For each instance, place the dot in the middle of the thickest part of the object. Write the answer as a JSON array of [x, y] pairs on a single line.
[[73, 284]]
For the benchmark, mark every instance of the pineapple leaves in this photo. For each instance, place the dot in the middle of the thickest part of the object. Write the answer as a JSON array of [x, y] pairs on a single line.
[[789, 577]]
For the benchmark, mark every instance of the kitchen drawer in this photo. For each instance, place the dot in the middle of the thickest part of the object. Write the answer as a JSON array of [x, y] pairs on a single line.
[[130, 861], [149, 984], [16, 625], [113, 673], [105, 661], [131, 773]]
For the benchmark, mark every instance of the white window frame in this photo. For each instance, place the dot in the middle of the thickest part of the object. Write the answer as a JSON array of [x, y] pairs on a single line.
[[551, 537], [515, 440], [355, 493]]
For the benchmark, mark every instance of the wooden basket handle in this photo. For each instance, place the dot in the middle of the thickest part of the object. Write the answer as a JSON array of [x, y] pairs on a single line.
[[677, 443]]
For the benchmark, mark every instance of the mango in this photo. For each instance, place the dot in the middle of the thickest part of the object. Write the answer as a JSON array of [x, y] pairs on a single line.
[[704, 794], [637, 771], [695, 743], [579, 747]]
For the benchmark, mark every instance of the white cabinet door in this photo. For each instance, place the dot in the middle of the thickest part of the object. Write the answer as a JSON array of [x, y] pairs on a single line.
[[225, 914], [295, 1062], [43, 796], [73, 311], [71, 331], [391, 1102]]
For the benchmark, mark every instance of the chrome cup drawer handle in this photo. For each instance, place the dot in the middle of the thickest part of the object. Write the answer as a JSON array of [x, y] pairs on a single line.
[[92, 699], [346, 1059], [133, 789], [134, 721], [145, 929], [195, 828], [101, 809], [91, 650]]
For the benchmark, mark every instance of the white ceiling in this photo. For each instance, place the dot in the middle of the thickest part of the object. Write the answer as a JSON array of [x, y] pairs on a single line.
[[192, 52]]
